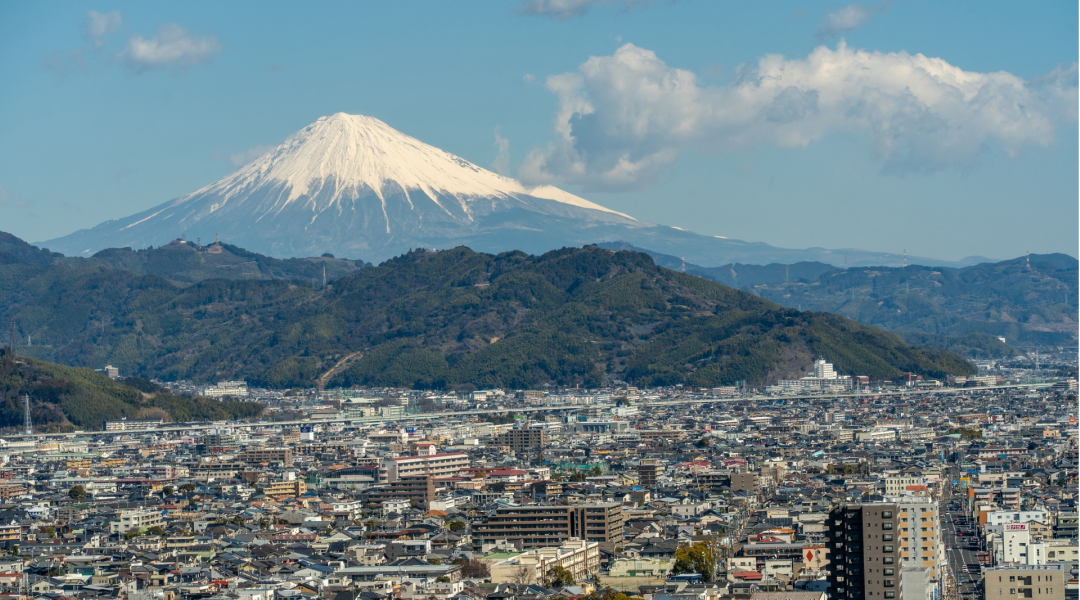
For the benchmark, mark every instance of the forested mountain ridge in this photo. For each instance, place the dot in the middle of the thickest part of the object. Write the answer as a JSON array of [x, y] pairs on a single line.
[[1027, 300], [187, 262], [434, 319]]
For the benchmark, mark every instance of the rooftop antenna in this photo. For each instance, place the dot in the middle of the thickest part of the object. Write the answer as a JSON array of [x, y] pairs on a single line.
[[29, 426]]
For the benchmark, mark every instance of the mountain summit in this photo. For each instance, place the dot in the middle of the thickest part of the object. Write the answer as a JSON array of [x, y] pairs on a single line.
[[355, 187]]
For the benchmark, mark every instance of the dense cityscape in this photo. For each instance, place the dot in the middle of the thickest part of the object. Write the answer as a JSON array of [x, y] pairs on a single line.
[[539, 300], [688, 494]]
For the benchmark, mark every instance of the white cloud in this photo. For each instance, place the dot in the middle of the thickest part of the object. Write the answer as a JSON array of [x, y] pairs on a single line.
[[849, 18], [560, 9], [568, 9], [622, 119], [501, 164], [240, 159], [100, 26], [173, 47]]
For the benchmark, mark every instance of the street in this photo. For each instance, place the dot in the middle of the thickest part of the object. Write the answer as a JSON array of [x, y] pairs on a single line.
[[963, 552]]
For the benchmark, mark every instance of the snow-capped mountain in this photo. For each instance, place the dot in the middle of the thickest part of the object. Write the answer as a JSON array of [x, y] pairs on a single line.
[[353, 186]]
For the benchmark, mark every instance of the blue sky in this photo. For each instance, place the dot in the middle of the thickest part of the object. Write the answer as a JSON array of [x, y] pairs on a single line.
[[947, 129]]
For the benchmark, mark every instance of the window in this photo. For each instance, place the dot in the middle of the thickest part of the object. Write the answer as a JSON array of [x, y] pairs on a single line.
[[889, 571], [887, 537], [886, 548], [1012, 578], [886, 525], [887, 560], [1012, 590], [890, 594]]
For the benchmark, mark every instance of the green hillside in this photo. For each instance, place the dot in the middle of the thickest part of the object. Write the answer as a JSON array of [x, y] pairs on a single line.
[[964, 310], [69, 398], [436, 319]]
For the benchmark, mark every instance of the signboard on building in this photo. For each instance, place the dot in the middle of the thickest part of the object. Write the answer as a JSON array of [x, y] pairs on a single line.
[[1016, 527]]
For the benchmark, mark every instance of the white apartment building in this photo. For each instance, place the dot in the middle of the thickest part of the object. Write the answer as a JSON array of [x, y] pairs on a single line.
[[436, 465], [136, 520], [1013, 549], [1003, 517], [226, 388], [823, 370], [896, 485], [920, 535], [579, 557]]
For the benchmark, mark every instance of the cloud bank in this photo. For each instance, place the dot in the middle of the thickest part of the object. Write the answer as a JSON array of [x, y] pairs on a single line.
[[622, 119], [174, 47]]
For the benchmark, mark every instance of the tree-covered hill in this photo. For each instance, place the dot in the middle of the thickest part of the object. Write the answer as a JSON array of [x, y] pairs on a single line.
[[964, 310], [434, 319], [68, 398]]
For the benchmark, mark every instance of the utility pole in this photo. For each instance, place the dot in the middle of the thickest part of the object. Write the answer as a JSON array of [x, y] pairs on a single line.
[[29, 425]]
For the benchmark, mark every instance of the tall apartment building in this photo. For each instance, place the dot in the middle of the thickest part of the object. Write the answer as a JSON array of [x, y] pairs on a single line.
[[920, 535], [540, 526], [1043, 582], [420, 488], [268, 456], [523, 440], [649, 470], [435, 465], [863, 551]]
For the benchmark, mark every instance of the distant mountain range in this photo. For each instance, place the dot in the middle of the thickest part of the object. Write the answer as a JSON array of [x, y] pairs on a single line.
[[434, 319], [187, 262], [1027, 300], [352, 186]]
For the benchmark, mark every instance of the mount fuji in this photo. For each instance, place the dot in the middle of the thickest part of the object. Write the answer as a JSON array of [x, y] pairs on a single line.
[[352, 186]]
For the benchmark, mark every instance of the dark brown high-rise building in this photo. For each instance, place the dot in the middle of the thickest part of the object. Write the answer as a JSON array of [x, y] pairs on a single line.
[[539, 526], [523, 440], [420, 488], [864, 551], [648, 470]]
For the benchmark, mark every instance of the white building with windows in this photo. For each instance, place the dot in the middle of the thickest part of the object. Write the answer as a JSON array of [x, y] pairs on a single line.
[[136, 520]]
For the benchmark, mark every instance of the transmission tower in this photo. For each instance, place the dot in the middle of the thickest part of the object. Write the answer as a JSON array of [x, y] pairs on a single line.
[[683, 268], [29, 424]]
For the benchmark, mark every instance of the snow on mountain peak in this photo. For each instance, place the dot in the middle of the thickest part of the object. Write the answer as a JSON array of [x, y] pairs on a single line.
[[353, 155]]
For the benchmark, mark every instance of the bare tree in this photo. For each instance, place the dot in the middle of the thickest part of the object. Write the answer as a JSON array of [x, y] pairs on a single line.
[[521, 575]]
